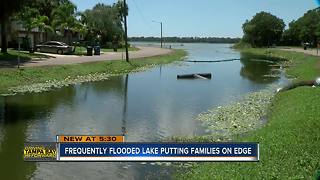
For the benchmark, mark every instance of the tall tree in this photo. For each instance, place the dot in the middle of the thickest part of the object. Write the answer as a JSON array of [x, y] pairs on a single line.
[[46, 7], [291, 36], [30, 18], [308, 26], [7, 9], [64, 17], [103, 21], [264, 29]]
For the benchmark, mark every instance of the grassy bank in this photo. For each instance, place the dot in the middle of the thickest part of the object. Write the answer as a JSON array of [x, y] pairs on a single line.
[[12, 55], [10, 77], [290, 141], [302, 66]]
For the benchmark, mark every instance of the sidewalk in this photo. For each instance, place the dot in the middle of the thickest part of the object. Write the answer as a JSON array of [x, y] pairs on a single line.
[[107, 56], [308, 51]]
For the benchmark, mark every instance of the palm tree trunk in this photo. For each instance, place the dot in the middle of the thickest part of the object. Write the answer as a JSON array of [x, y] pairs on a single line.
[[4, 40]]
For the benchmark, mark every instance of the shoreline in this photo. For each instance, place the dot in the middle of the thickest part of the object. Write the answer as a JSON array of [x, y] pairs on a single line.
[[290, 133], [45, 78]]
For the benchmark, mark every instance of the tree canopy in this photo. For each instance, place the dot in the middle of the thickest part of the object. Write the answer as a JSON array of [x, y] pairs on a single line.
[[264, 29], [104, 22], [45, 7], [30, 18], [305, 29], [64, 17]]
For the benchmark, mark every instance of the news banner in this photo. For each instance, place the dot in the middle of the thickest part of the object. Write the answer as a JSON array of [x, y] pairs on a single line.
[[114, 148]]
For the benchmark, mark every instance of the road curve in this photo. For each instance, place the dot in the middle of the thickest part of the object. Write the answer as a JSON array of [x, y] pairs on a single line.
[[107, 56]]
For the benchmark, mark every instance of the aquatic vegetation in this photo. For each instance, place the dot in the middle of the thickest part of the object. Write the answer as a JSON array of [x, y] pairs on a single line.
[[55, 84], [24, 77], [238, 117]]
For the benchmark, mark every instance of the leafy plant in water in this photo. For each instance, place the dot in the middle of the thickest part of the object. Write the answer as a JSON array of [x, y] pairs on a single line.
[[54, 84], [238, 117]]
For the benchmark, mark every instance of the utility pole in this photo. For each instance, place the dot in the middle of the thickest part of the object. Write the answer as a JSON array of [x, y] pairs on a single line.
[[126, 30], [161, 34], [161, 38]]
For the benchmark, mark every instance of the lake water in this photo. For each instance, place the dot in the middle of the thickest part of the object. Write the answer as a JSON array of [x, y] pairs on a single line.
[[149, 106]]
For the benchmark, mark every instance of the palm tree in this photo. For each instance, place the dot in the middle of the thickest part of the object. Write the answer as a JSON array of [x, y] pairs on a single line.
[[30, 19], [64, 17]]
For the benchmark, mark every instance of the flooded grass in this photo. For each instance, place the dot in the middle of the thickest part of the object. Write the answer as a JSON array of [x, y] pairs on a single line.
[[39, 79], [238, 117], [54, 84], [225, 123], [289, 141]]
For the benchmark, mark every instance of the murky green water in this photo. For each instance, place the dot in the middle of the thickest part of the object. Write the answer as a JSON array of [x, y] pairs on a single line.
[[148, 105]]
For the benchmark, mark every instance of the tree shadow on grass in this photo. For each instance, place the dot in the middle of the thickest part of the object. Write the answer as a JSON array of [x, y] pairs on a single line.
[[10, 59]]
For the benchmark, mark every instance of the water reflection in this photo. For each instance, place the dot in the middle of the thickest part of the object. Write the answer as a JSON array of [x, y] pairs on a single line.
[[258, 69], [147, 106], [16, 114], [125, 103]]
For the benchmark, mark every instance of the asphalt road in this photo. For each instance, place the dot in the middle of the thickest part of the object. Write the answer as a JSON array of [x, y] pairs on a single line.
[[107, 56]]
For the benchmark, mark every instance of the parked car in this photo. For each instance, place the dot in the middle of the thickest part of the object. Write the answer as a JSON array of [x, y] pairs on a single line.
[[54, 47]]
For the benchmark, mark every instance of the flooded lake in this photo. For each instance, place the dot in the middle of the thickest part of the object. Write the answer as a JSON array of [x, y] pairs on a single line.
[[148, 106]]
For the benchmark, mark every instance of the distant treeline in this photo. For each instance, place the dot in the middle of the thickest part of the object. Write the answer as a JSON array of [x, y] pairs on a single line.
[[265, 29], [187, 39]]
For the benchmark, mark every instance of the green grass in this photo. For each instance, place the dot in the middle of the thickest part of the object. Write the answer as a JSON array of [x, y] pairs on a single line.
[[12, 55], [10, 77], [304, 66], [289, 142]]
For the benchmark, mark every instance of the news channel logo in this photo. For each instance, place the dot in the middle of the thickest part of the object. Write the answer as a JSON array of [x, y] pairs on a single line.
[[40, 151]]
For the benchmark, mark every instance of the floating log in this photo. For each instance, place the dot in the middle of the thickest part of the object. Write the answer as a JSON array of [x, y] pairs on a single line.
[[200, 77], [223, 60], [192, 76]]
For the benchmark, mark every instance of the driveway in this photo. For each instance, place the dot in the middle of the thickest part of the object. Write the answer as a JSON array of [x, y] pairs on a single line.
[[107, 56]]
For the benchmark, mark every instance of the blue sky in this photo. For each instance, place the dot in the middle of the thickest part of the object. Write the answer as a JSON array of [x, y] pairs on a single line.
[[218, 18]]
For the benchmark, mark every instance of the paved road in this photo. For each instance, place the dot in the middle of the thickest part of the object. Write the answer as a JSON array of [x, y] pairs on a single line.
[[108, 56], [309, 51]]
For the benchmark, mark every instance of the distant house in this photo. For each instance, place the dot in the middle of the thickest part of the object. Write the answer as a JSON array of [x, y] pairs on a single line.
[[67, 36], [16, 30]]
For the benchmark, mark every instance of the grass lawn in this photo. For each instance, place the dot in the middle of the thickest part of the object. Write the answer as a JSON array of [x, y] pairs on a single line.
[[10, 77], [289, 142], [12, 55]]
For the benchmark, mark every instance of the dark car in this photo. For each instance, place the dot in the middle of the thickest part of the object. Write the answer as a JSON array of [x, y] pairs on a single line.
[[54, 47]]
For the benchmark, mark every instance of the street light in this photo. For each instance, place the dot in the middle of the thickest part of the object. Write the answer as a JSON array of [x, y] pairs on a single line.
[[161, 31]]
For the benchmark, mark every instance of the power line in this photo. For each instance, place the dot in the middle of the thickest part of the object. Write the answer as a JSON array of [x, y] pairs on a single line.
[[141, 14]]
